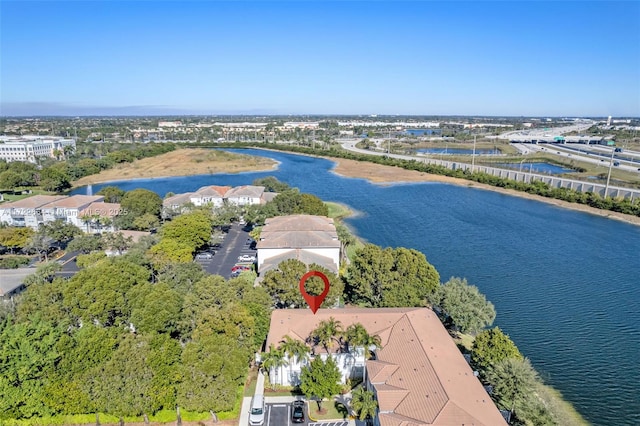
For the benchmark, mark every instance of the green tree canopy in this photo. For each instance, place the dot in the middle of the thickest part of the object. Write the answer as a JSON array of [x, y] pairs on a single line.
[[169, 251], [137, 203], [112, 194], [14, 237], [283, 284], [155, 308], [514, 382], [321, 379], [85, 243], [492, 346], [99, 293], [390, 277], [271, 184], [191, 229], [467, 308]]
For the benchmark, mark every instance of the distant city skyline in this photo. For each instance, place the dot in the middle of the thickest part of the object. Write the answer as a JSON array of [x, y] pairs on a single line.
[[158, 58]]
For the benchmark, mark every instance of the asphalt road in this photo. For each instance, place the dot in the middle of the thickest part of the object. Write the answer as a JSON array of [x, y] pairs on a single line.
[[234, 245]]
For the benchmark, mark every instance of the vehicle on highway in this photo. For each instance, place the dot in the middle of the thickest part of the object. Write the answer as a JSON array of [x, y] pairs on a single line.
[[256, 415], [205, 255], [297, 414], [246, 258], [616, 163]]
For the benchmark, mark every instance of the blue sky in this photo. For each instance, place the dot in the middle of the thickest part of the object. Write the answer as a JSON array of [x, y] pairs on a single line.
[[422, 57]]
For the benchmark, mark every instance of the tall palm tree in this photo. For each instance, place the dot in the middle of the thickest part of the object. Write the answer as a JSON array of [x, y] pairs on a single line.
[[327, 331], [274, 359], [295, 350], [363, 403], [356, 335]]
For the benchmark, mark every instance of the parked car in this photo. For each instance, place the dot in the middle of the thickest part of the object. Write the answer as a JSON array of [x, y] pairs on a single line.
[[246, 258], [205, 255], [256, 414], [297, 414], [241, 268]]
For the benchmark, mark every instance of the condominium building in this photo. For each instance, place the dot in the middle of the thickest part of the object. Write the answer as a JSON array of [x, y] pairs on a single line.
[[29, 148]]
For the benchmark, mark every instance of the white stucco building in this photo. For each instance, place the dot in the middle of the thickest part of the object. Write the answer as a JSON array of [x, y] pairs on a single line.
[[308, 238], [87, 212], [418, 375], [29, 148]]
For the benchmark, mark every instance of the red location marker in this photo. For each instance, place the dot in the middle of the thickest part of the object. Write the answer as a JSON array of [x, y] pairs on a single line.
[[314, 302]]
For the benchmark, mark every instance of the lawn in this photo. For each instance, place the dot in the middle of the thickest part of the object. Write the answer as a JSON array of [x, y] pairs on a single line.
[[333, 410], [337, 210]]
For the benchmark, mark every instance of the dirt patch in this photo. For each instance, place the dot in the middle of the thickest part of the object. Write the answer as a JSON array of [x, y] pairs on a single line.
[[182, 162], [388, 174]]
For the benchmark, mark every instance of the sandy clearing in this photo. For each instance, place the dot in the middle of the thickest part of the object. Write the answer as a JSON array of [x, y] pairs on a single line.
[[181, 162]]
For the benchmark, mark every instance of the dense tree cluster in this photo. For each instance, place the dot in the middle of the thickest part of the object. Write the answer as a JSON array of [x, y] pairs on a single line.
[[463, 305], [124, 338], [282, 284], [57, 174], [390, 277]]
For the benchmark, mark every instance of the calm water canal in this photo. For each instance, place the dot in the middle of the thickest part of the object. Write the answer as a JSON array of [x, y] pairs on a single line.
[[566, 285]]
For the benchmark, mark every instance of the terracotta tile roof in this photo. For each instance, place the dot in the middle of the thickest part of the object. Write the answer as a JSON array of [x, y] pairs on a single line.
[[419, 375], [178, 199], [213, 191], [245, 191], [32, 202], [74, 202], [101, 209], [298, 231]]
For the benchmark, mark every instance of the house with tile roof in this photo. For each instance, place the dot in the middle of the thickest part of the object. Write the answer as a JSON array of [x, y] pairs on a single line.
[[245, 195], [310, 239], [418, 375], [26, 212], [68, 209], [209, 195], [87, 212]]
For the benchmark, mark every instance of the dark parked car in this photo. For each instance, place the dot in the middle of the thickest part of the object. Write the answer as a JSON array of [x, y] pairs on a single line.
[[297, 414]]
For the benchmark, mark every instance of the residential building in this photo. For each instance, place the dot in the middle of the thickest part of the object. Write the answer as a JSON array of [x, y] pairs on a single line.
[[87, 212], [30, 148], [212, 195], [418, 375], [245, 195], [26, 212], [310, 239], [216, 196], [68, 209], [98, 217]]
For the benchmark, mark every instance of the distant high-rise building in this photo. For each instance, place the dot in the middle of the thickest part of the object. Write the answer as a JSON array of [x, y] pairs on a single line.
[[609, 121]]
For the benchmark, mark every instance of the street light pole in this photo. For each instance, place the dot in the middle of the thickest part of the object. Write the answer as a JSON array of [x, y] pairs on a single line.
[[473, 157], [606, 188]]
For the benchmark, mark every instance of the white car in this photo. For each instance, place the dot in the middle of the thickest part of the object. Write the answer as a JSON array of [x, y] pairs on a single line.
[[246, 258]]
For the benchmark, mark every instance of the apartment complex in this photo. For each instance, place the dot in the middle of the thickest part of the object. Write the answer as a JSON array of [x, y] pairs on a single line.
[[30, 148], [307, 238], [418, 375], [87, 212]]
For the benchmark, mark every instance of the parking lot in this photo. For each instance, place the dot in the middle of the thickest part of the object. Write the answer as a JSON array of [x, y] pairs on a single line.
[[279, 414], [236, 243]]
